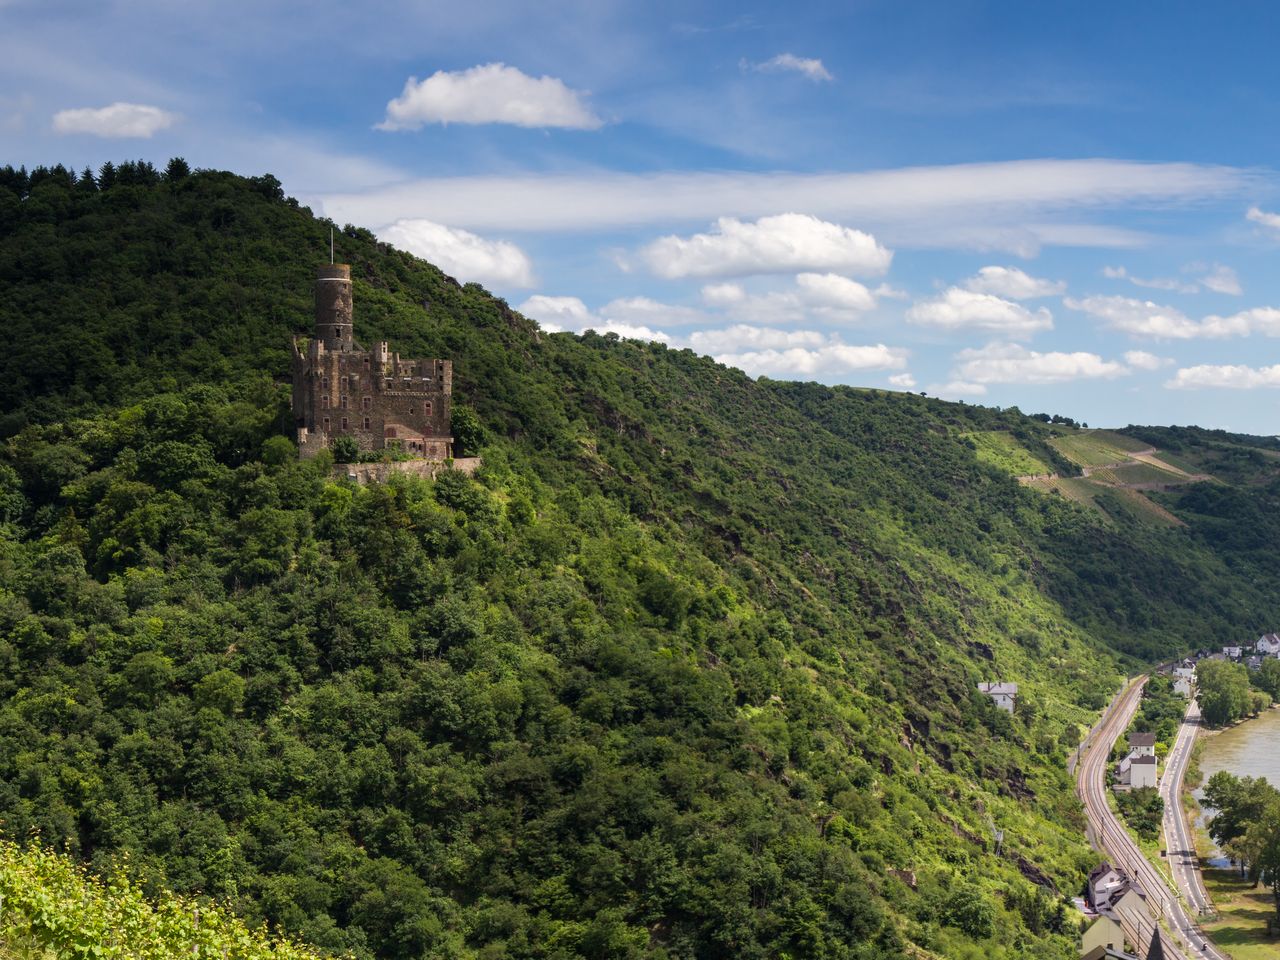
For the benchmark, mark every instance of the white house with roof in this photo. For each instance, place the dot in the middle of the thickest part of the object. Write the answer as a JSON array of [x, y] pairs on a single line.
[[1003, 695], [1268, 645], [1182, 686], [1142, 744], [1233, 653]]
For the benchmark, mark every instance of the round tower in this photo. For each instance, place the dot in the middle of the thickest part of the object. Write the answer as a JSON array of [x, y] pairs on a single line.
[[333, 307]]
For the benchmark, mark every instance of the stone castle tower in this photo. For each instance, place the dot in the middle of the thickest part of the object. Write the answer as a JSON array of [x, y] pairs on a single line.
[[374, 397]]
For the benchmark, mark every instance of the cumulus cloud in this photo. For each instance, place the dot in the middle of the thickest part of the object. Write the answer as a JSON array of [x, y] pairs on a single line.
[[1141, 360], [1258, 320], [811, 68], [1142, 318], [833, 291], [743, 337], [722, 294], [462, 254], [1139, 318], [960, 309], [830, 360], [1263, 217], [1229, 376], [490, 93], [642, 310], [775, 244], [1155, 283], [118, 120], [1013, 363], [557, 314], [903, 381], [1012, 283]]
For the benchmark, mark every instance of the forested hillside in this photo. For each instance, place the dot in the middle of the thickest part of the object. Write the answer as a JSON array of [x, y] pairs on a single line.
[[687, 669]]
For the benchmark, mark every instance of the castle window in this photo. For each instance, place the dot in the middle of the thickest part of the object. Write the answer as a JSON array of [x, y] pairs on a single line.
[[367, 402], [426, 408], [324, 382], [366, 423], [326, 424], [344, 383], [324, 401], [344, 401], [366, 361], [344, 423], [412, 408]]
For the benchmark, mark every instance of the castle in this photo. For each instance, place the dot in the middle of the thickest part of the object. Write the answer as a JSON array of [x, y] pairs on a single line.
[[374, 397]]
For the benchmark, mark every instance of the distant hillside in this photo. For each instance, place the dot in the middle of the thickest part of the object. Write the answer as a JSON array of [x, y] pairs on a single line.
[[687, 670]]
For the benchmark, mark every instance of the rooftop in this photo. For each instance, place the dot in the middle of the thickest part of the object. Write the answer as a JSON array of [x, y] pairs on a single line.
[[1142, 740]]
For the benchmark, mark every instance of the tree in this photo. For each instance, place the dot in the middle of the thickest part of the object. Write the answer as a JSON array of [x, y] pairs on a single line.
[[345, 450]]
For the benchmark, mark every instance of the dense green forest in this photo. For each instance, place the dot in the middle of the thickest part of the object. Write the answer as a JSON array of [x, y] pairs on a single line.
[[688, 669]]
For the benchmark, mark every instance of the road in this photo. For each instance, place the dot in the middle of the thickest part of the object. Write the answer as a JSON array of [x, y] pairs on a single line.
[[1181, 848], [1109, 835]]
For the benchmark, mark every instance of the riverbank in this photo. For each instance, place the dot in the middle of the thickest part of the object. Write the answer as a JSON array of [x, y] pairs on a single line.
[[1246, 748]]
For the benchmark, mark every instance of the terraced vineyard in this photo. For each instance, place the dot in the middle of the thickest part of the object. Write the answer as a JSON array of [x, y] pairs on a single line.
[[1097, 448], [1137, 473]]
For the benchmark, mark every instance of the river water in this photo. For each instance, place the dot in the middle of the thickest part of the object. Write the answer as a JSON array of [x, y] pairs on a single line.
[[1251, 749]]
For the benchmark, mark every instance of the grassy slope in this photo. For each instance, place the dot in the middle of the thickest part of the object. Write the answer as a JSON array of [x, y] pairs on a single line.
[[1002, 451], [776, 596]]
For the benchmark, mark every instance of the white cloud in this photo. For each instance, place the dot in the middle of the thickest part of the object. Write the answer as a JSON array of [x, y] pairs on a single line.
[[743, 337], [956, 389], [629, 331], [1156, 283], [1263, 217], [1235, 377], [1222, 279], [117, 120], [960, 309], [1260, 320], [642, 310], [555, 314], [833, 360], [789, 62], [1012, 363], [462, 254], [1139, 318], [722, 294], [490, 93], [1013, 283], [904, 381], [833, 291], [1141, 360], [1016, 206], [775, 244]]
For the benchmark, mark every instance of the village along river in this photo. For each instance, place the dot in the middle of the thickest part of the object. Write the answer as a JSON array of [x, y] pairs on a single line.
[[1251, 749]]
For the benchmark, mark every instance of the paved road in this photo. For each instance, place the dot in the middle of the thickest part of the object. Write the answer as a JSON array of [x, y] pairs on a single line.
[[1178, 839], [1109, 835]]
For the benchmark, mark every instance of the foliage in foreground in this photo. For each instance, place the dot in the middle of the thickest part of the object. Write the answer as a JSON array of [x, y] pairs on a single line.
[[50, 903], [1246, 826]]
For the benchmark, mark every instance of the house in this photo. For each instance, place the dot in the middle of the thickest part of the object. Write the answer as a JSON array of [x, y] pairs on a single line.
[[1186, 670], [1182, 687], [1104, 934], [1142, 772], [1232, 653], [1142, 745], [1268, 645], [1132, 910], [1105, 884], [1003, 695]]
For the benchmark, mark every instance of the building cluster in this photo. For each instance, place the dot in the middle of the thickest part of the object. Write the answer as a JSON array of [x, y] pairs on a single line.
[[1118, 907], [1266, 646]]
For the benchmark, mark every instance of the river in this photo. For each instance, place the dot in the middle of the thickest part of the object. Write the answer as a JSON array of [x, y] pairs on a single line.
[[1251, 749]]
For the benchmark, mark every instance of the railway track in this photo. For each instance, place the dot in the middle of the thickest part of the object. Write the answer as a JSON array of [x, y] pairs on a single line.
[[1180, 937]]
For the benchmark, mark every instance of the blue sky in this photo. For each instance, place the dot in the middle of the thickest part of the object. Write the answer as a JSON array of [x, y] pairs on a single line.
[[1070, 208]]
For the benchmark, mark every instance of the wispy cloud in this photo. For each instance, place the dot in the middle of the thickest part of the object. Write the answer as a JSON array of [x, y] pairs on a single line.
[[808, 67], [1269, 220], [1012, 363], [1016, 206], [490, 93]]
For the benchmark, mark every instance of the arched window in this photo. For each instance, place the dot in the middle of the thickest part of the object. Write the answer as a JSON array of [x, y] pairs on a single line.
[[324, 382]]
